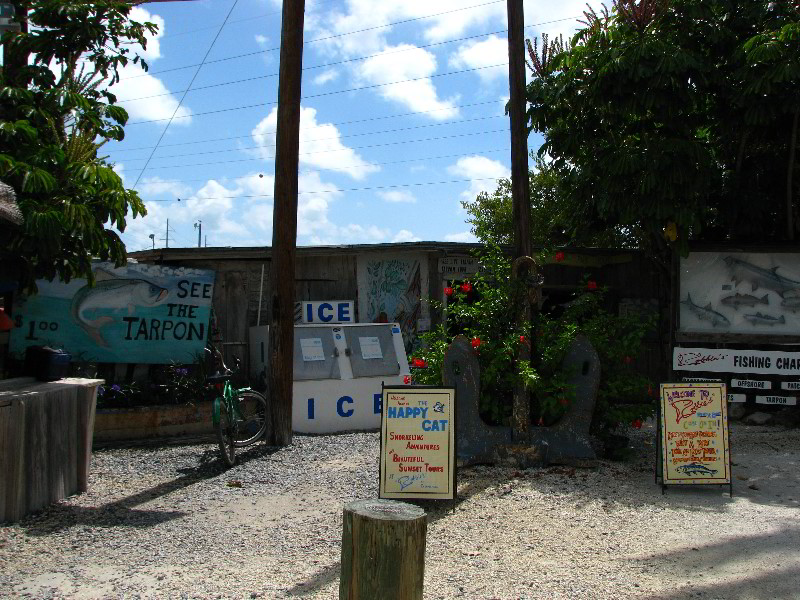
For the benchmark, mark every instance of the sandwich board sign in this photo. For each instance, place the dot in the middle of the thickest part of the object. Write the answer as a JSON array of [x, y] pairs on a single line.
[[694, 434], [418, 443]]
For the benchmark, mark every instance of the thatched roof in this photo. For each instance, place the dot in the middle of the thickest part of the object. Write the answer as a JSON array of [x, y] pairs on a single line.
[[9, 211]]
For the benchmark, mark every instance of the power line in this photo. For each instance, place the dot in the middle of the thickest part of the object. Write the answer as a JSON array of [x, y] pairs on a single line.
[[338, 124], [381, 164], [241, 160], [338, 190], [265, 51], [338, 137], [320, 95], [163, 133]]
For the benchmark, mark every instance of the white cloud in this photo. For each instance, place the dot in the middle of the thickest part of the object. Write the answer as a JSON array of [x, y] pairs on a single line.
[[464, 236], [153, 50], [320, 145], [557, 17], [404, 235], [326, 77], [397, 196], [156, 186], [487, 53], [412, 64], [483, 171], [262, 40], [146, 98]]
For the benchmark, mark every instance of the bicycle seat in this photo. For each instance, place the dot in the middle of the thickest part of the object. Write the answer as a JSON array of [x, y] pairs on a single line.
[[219, 377]]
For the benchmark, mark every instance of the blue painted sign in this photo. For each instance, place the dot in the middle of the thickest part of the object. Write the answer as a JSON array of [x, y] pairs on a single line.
[[135, 314]]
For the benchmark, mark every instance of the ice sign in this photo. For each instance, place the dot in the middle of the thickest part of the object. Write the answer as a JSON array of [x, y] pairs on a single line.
[[370, 347]]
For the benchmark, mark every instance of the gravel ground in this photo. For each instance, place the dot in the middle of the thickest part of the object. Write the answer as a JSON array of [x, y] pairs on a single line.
[[170, 522]]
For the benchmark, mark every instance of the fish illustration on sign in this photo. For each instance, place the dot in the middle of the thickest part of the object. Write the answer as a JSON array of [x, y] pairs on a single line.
[[706, 313], [741, 270], [747, 300], [791, 303], [696, 468], [761, 319], [111, 293]]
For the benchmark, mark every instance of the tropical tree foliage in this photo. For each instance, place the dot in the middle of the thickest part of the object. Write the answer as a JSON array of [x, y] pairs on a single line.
[[56, 113], [554, 218], [676, 116]]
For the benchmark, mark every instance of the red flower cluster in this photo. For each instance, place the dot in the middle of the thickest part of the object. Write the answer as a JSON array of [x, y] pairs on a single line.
[[563, 401], [559, 256], [476, 342], [466, 287], [628, 360], [591, 285], [637, 423], [522, 339], [407, 379], [448, 291], [420, 363]]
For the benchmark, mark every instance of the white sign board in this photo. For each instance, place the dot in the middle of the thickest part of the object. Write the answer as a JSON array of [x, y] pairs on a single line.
[[457, 266], [737, 397], [370, 347], [791, 385], [327, 311], [778, 400], [312, 349], [726, 360], [751, 384]]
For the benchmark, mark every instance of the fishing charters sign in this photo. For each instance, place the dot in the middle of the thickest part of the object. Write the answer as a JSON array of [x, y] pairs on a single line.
[[418, 443], [694, 434], [134, 314], [740, 293]]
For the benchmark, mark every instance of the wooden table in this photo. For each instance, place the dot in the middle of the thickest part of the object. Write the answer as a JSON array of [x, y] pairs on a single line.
[[45, 442]]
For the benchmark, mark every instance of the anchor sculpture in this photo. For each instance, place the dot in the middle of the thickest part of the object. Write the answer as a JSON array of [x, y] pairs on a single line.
[[566, 442]]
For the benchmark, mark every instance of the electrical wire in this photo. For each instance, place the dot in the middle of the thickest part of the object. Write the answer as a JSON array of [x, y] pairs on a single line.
[[326, 139], [343, 190], [175, 112], [380, 164], [320, 95], [337, 124], [393, 143]]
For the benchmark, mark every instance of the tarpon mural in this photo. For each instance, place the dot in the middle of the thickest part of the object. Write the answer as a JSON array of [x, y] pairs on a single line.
[[134, 314]]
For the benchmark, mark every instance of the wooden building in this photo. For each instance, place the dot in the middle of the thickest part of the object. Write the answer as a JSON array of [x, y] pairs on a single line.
[[393, 281]]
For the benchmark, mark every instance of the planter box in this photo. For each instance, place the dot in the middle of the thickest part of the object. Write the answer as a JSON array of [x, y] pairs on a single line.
[[152, 422]]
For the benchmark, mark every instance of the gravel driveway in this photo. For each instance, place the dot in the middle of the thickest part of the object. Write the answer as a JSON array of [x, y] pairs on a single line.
[[170, 522]]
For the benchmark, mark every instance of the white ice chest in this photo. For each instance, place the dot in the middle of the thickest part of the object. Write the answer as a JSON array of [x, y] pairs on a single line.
[[338, 373]]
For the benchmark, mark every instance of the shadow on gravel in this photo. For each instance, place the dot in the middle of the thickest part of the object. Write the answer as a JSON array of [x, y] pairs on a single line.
[[122, 512], [321, 579], [706, 568]]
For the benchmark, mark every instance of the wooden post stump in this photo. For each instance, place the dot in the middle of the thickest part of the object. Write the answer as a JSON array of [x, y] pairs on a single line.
[[383, 551]]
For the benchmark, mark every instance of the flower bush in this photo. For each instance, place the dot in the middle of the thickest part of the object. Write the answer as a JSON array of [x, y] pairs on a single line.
[[488, 321]]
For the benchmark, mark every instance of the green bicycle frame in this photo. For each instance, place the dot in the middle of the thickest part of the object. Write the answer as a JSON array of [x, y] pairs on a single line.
[[230, 397]]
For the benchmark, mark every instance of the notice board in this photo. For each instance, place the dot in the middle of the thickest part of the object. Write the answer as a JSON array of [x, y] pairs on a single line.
[[694, 433], [418, 443]]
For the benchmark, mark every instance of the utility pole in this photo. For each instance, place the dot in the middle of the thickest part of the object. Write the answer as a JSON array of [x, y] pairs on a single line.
[[199, 227], [284, 221], [166, 239], [520, 196]]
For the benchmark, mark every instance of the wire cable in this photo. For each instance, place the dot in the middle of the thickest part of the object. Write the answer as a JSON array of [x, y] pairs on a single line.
[[338, 124], [175, 112]]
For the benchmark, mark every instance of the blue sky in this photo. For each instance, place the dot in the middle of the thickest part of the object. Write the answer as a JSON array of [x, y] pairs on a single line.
[[402, 118]]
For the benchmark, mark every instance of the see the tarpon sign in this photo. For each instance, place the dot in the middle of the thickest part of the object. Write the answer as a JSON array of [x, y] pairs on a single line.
[[134, 314]]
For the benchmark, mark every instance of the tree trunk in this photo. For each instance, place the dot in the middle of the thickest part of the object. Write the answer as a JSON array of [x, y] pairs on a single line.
[[383, 551]]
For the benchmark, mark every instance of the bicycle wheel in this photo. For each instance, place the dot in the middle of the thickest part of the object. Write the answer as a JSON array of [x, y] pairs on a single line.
[[251, 418], [225, 427]]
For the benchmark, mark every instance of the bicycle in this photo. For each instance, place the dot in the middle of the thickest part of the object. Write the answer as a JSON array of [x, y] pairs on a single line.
[[239, 414]]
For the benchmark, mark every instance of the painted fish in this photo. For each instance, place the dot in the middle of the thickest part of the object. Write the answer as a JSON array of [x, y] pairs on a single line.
[[760, 319], [744, 300], [741, 270], [791, 303], [706, 313], [111, 293]]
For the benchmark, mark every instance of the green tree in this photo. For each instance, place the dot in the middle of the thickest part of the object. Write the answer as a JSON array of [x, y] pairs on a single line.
[[676, 111], [555, 220], [56, 112]]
